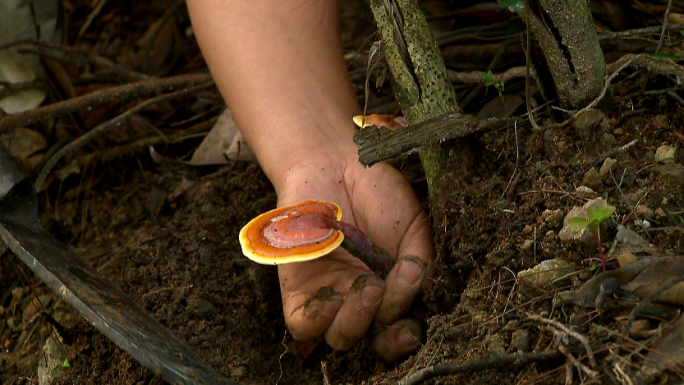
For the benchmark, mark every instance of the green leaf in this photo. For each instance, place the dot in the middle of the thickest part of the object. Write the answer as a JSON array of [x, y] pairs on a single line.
[[512, 5], [489, 78], [578, 224], [600, 210], [65, 364]]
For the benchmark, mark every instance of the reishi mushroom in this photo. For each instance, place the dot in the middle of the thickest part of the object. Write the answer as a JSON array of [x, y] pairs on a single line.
[[390, 121], [307, 231]]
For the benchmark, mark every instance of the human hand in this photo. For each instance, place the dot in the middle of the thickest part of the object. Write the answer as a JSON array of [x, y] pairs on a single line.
[[380, 202]]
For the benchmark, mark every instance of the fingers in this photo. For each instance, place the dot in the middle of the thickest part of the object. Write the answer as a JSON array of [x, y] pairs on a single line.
[[312, 319], [356, 314], [404, 282], [398, 340]]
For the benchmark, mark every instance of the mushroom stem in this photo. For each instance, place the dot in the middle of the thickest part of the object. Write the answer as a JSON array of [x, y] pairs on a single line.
[[360, 246]]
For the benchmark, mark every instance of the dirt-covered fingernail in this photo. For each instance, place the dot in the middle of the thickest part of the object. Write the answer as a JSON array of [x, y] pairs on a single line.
[[407, 340], [371, 295], [411, 270]]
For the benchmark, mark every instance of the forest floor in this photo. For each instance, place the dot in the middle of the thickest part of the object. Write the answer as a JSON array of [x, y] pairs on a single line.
[[178, 256]]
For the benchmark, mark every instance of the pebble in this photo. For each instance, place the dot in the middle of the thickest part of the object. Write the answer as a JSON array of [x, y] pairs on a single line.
[[665, 155], [238, 372], [494, 345], [589, 120], [607, 166], [520, 340], [592, 179], [527, 246], [644, 211], [585, 190], [553, 217], [546, 272]]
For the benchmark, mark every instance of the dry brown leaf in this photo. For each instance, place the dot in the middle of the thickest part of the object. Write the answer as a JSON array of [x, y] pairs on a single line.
[[653, 277], [25, 145], [610, 280], [223, 142], [668, 349]]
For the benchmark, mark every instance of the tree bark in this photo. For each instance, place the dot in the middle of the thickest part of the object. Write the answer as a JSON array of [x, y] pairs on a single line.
[[419, 78], [567, 36]]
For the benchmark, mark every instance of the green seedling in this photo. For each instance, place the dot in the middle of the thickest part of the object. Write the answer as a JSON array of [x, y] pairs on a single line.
[[511, 5], [489, 81], [597, 213]]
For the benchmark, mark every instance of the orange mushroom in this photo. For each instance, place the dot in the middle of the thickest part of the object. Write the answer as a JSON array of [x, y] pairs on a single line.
[[390, 121], [308, 231]]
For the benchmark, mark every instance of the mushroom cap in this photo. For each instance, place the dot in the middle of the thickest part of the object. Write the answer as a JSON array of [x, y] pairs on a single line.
[[390, 121], [292, 234]]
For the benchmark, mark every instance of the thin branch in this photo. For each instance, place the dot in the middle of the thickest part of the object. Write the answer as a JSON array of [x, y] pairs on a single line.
[[474, 366], [98, 98], [82, 140], [662, 33], [638, 32], [569, 331], [603, 159], [638, 308]]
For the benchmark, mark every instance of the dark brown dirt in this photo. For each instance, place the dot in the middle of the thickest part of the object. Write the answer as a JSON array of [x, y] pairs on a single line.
[[179, 258]]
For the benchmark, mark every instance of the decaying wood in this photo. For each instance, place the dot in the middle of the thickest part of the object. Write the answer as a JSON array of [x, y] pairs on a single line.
[[419, 77], [380, 144]]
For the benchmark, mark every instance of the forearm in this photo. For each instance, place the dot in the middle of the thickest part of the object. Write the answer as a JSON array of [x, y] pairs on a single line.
[[279, 66]]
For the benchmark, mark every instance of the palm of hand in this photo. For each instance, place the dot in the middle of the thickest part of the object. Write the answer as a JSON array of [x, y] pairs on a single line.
[[337, 297]]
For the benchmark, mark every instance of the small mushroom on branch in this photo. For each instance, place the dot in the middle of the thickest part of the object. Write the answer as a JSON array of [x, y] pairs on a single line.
[[390, 121], [307, 231]]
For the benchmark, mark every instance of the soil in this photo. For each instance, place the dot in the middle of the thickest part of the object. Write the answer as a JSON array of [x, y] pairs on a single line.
[[178, 256]]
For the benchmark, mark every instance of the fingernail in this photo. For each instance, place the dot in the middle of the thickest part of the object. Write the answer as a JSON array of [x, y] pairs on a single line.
[[371, 295], [409, 271], [406, 339], [330, 308]]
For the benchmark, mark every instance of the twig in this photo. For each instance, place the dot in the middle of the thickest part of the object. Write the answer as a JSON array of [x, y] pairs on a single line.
[[7, 88], [477, 78], [578, 364], [653, 64], [637, 309], [603, 159], [90, 18], [638, 32], [474, 366], [570, 332], [662, 33], [79, 142], [528, 64], [142, 145], [98, 98], [92, 57]]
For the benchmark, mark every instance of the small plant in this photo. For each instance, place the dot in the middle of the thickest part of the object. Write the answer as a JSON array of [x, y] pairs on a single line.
[[489, 81], [597, 213], [512, 5]]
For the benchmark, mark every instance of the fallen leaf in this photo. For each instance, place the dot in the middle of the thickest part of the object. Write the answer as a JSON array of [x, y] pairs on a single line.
[[224, 141], [589, 293], [25, 145], [668, 349], [654, 276]]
